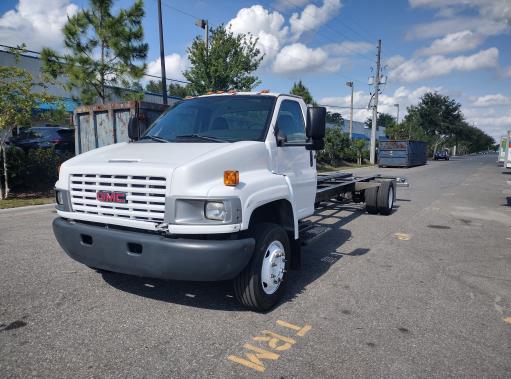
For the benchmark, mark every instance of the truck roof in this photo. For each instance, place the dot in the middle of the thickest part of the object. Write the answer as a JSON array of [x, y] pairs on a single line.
[[259, 93]]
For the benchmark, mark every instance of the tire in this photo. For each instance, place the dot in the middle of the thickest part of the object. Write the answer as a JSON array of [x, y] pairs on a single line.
[[386, 197], [371, 196], [253, 288]]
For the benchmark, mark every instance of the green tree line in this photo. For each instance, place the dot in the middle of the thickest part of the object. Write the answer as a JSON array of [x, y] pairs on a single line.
[[439, 120]]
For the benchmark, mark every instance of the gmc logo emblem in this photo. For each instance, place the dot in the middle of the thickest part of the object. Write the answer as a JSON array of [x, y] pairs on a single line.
[[111, 197]]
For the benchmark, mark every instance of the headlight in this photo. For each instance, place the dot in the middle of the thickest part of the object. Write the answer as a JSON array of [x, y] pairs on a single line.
[[215, 210]]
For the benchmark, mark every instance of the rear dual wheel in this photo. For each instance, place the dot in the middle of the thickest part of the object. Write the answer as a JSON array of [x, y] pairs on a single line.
[[381, 199], [386, 197]]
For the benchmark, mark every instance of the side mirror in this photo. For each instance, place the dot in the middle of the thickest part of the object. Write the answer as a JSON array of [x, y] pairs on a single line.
[[133, 128], [281, 137], [316, 122], [315, 129]]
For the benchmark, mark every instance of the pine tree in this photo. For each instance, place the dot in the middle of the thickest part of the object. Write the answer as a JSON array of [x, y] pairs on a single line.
[[300, 90], [227, 63], [103, 50]]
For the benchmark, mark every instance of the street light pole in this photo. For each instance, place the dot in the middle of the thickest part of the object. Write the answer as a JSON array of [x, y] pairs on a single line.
[[162, 58], [203, 24], [350, 84]]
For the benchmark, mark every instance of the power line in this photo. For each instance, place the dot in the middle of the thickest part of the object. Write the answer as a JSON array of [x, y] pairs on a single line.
[[179, 10], [341, 106]]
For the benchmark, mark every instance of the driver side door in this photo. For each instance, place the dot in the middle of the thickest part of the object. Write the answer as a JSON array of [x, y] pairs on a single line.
[[295, 161]]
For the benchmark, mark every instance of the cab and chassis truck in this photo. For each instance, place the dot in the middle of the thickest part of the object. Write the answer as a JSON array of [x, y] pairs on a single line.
[[218, 188]]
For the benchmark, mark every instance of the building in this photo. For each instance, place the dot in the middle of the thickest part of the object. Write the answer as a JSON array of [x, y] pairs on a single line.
[[360, 130]]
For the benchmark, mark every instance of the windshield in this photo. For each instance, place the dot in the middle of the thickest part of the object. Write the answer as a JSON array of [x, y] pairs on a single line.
[[214, 119]]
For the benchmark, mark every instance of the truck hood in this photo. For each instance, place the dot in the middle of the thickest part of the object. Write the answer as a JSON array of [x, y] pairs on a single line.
[[162, 159], [170, 155]]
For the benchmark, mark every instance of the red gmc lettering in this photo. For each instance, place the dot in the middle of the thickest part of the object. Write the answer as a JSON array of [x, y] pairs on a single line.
[[111, 197]]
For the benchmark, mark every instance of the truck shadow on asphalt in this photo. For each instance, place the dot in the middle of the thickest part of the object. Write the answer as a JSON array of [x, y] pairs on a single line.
[[317, 258]]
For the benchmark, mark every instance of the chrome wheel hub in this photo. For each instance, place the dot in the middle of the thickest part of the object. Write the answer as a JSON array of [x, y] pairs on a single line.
[[273, 267]]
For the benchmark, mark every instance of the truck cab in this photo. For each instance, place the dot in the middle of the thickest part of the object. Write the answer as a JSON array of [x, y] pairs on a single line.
[[213, 190]]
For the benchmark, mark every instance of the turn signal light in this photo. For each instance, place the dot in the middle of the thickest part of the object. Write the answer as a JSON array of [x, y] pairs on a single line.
[[264, 91], [231, 178]]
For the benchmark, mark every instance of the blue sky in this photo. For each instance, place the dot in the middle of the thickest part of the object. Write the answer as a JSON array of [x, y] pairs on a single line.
[[458, 47]]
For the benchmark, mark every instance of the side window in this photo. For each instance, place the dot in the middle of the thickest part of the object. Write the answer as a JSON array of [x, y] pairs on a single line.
[[290, 121]]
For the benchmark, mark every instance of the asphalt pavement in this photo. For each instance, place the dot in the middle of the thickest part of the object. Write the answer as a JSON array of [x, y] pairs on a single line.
[[424, 292]]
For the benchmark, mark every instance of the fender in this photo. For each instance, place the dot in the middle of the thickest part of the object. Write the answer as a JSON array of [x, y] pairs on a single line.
[[276, 191]]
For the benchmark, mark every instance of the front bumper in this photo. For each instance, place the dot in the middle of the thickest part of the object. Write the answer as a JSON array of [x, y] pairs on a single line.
[[151, 255]]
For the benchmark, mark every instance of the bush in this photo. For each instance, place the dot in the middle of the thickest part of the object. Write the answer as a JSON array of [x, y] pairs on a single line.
[[336, 142], [35, 170], [339, 148]]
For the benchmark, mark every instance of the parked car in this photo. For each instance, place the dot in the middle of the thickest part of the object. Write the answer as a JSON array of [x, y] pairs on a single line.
[[443, 154], [59, 138]]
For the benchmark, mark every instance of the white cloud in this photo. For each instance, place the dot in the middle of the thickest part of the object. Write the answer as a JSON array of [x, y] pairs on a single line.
[[453, 43], [497, 9], [394, 61], [313, 17], [491, 100], [438, 65], [267, 26], [494, 17], [37, 23], [277, 41], [348, 47], [175, 64], [439, 28], [300, 58], [506, 72]]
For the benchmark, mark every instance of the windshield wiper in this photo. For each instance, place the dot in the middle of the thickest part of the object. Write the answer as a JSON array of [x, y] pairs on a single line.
[[200, 136], [155, 138]]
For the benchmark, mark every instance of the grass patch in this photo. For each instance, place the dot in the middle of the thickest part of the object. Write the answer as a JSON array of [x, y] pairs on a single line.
[[22, 200], [346, 166]]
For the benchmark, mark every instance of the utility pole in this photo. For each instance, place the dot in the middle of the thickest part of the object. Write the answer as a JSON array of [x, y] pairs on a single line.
[[350, 84], [372, 153], [162, 58], [397, 117]]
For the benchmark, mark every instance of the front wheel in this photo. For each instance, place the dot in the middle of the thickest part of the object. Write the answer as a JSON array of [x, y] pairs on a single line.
[[261, 284]]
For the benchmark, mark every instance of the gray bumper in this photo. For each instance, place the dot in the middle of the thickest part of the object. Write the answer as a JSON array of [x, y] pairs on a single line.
[[153, 256]]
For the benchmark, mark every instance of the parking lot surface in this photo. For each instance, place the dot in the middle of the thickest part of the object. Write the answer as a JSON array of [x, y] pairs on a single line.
[[424, 292]]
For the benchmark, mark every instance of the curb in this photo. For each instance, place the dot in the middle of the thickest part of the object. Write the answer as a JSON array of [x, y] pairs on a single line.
[[27, 207]]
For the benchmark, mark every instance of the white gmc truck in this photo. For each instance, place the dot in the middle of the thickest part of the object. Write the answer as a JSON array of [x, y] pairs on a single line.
[[216, 189]]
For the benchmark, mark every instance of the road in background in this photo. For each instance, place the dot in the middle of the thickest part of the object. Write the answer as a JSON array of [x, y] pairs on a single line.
[[423, 292]]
